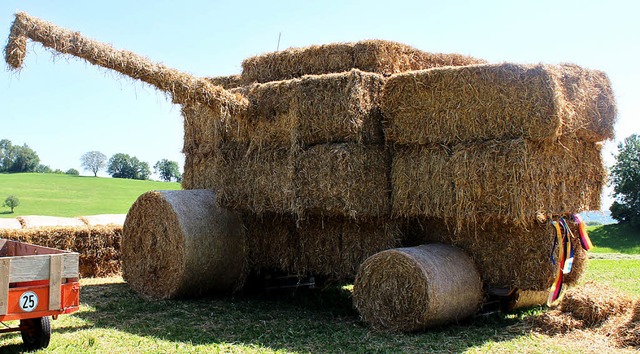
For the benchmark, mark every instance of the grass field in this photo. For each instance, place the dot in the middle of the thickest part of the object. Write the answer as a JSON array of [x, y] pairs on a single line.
[[113, 319], [65, 195]]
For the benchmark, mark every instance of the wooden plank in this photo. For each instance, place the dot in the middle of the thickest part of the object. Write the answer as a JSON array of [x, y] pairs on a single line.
[[55, 280], [5, 270], [28, 268]]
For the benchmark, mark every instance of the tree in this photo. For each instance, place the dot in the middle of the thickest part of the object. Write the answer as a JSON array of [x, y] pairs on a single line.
[[72, 171], [43, 169], [124, 166], [93, 161], [625, 178], [15, 158], [168, 170], [12, 201]]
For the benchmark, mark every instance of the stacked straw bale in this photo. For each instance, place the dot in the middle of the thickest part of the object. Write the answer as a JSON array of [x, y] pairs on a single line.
[[324, 246], [497, 102], [510, 181], [384, 57], [98, 246]]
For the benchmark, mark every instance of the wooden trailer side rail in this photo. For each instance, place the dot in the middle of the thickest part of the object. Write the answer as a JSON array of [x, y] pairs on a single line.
[[46, 271]]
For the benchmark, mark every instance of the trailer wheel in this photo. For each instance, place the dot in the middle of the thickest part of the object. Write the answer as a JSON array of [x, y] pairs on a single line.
[[36, 333]]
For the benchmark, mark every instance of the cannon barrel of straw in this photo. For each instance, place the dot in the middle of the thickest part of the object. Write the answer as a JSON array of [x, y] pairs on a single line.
[[183, 87]]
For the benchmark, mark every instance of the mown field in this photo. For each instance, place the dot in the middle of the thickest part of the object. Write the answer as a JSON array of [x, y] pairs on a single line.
[[114, 319], [65, 195]]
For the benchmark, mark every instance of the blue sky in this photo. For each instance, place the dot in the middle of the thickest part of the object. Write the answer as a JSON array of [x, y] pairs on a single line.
[[63, 107]]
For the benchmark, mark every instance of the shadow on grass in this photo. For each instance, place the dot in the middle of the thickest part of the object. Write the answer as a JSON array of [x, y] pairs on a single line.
[[310, 321], [620, 237], [6, 212]]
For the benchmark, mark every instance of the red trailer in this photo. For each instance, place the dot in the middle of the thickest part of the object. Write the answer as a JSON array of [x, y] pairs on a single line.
[[36, 282]]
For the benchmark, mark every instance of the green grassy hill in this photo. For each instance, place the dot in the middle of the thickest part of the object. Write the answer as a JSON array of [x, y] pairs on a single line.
[[65, 195]]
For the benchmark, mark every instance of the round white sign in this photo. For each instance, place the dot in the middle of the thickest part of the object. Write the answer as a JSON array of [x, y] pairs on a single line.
[[28, 301]]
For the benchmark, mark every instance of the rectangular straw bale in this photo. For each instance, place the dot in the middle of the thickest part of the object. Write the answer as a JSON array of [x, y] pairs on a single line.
[[198, 171], [343, 179], [205, 127], [506, 256], [331, 247], [389, 58], [314, 109], [254, 178], [498, 101], [335, 247], [296, 62], [272, 242], [227, 82], [379, 56], [422, 181], [98, 246], [518, 180]]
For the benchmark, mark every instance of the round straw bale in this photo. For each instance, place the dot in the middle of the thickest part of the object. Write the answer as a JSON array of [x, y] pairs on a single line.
[[594, 303], [410, 289], [180, 244]]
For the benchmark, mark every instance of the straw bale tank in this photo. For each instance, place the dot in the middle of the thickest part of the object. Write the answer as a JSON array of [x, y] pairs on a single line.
[[434, 181]]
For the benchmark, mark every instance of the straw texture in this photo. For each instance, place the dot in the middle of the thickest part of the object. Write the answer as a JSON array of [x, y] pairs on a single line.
[[384, 57], [179, 244], [497, 102], [410, 289]]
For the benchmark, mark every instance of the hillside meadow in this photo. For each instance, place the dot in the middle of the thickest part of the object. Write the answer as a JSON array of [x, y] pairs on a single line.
[[66, 195]]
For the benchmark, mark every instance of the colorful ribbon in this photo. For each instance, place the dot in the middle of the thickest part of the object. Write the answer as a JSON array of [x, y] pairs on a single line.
[[556, 288], [585, 241]]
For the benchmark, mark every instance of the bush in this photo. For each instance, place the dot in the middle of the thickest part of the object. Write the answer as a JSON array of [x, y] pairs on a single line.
[[73, 172]]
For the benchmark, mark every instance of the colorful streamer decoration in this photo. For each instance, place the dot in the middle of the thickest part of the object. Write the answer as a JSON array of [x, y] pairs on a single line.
[[585, 241], [566, 243], [556, 288]]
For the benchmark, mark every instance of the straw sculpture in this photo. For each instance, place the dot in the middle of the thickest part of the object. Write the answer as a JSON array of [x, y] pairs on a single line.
[[410, 289], [179, 244], [184, 88], [326, 155], [98, 246], [497, 102], [384, 57]]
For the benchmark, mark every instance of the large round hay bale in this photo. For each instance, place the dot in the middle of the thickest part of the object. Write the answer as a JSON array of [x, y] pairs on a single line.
[[180, 244], [410, 289]]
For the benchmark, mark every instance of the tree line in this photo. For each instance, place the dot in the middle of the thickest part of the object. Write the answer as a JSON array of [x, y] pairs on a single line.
[[122, 165], [21, 158]]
